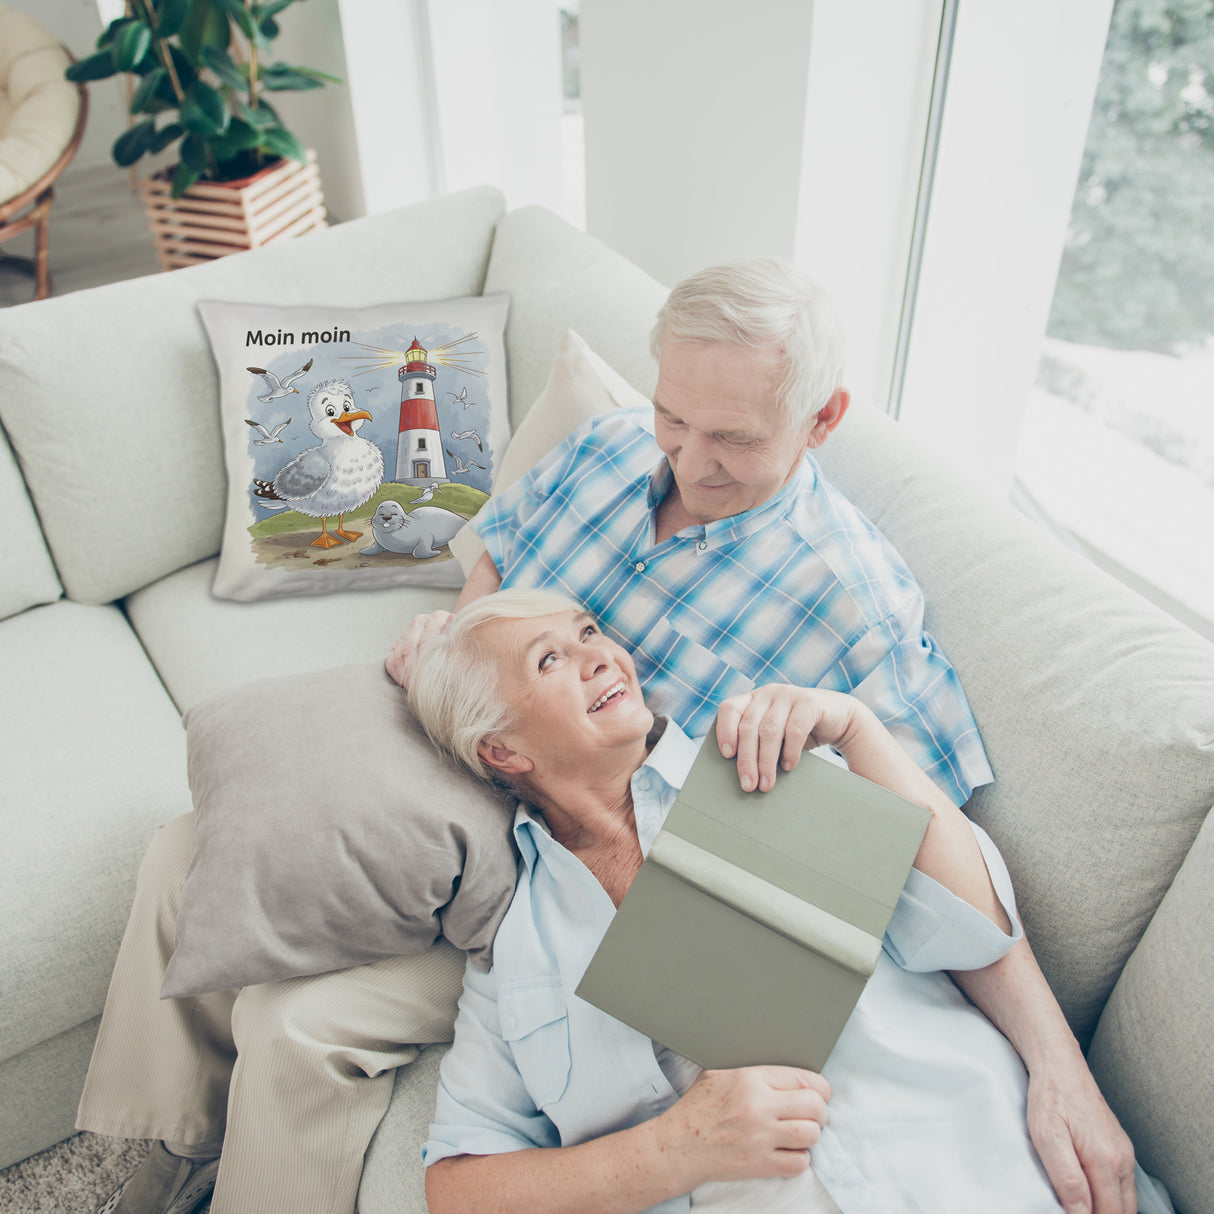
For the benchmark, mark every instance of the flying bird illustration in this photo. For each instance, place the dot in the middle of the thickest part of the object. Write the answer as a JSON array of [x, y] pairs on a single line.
[[463, 465], [472, 434], [268, 436], [462, 395], [276, 387], [337, 475]]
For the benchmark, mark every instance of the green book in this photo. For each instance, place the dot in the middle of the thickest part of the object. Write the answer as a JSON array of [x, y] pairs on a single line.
[[755, 921]]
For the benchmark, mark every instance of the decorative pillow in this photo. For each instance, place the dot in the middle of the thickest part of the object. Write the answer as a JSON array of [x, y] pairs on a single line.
[[580, 386], [358, 441], [329, 833]]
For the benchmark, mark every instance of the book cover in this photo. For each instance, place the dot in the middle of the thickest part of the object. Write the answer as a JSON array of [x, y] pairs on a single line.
[[755, 921]]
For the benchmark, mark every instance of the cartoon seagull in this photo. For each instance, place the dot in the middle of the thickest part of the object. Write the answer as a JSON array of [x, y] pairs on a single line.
[[276, 387], [463, 465], [334, 477], [461, 396], [472, 434], [269, 436], [428, 495]]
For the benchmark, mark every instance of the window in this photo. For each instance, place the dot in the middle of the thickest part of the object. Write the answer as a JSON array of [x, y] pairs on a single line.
[[1117, 442]]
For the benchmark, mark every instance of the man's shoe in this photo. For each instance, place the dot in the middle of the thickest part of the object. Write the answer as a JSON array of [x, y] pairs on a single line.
[[164, 1184]]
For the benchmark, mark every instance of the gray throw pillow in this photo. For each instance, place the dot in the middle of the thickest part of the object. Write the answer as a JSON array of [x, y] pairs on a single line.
[[330, 833]]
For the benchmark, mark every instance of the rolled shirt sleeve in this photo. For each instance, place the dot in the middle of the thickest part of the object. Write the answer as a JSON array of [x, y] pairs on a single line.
[[933, 929], [483, 1107]]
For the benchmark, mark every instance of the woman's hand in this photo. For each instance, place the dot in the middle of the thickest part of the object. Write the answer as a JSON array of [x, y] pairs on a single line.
[[750, 1122], [401, 661], [770, 727]]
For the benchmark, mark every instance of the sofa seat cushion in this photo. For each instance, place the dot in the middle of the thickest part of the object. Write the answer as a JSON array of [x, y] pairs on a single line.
[[558, 279], [1096, 709], [202, 645], [29, 573], [94, 762], [120, 443]]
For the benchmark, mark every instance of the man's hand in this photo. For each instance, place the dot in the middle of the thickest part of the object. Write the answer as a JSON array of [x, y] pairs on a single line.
[[750, 1122], [770, 727], [401, 660], [1087, 1155]]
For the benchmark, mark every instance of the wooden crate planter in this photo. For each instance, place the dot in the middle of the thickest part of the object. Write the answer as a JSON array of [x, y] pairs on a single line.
[[215, 218]]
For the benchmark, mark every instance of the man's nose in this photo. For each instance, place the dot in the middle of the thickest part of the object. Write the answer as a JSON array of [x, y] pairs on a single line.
[[697, 457]]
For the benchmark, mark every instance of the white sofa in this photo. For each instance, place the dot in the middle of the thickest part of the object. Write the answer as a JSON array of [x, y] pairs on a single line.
[[1097, 711]]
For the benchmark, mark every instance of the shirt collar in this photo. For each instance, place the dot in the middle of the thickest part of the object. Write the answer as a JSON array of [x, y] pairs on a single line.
[[737, 526], [655, 784]]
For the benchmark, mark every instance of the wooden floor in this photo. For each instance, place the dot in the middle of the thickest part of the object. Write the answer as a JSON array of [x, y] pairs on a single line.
[[98, 234]]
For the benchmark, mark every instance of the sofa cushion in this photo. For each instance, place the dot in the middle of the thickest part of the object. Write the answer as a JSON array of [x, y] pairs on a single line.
[[29, 573], [329, 832], [94, 760], [110, 396], [580, 386], [202, 645], [1153, 1054], [427, 428], [558, 279], [1096, 709]]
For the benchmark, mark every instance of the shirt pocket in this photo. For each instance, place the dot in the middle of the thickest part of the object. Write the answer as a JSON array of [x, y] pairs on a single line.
[[535, 1024], [677, 671]]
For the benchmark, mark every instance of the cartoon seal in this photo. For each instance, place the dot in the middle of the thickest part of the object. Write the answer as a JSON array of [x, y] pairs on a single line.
[[421, 533]]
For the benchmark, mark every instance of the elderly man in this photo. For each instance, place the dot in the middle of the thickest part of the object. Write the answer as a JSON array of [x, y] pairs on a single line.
[[704, 538]]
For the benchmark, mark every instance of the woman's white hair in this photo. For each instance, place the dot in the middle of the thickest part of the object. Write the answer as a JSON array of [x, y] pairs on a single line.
[[454, 691], [763, 303]]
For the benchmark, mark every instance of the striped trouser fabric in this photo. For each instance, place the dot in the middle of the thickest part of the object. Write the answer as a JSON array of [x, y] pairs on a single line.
[[294, 1076]]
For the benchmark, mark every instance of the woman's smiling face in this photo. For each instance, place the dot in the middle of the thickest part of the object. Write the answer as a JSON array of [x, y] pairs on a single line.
[[572, 691]]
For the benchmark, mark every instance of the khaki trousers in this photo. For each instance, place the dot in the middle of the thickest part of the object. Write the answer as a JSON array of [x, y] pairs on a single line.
[[293, 1076]]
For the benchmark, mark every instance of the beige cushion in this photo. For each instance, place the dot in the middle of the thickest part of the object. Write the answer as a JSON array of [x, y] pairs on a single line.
[[29, 574], [1153, 1053], [330, 832], [38, 107], [580, 386]]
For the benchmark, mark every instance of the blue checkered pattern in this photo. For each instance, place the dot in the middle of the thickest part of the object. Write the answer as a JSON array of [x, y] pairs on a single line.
[[802, 590]]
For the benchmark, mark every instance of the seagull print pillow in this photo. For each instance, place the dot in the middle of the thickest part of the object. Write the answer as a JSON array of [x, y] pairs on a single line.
[[358, 442]]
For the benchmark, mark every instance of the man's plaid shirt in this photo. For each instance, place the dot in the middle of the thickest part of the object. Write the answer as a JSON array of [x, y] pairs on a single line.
[[801, 590]]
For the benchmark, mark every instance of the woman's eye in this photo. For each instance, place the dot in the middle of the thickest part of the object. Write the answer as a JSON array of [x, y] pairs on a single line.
[[547, 660], [589, 631]]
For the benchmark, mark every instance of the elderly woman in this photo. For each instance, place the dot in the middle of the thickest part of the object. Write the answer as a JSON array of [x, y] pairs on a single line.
[[547, 1103]]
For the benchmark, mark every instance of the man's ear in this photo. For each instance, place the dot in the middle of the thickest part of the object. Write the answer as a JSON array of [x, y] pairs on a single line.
[[829, 416], [496, 754]]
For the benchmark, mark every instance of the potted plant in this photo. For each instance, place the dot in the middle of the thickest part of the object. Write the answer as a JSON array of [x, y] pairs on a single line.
[[201, 71]]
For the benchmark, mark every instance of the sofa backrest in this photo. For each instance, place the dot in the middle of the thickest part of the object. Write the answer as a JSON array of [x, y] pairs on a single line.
[[109, 396], [29, 573]]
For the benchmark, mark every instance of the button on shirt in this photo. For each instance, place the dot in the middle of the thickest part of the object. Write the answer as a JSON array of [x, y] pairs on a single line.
[[928, 1104], [802, 589]]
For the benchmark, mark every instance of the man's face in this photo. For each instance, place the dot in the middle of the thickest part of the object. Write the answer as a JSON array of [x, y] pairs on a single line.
[[716, 420]]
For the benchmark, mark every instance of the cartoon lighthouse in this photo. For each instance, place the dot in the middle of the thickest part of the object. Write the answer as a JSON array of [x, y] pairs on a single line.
[[419, 449]]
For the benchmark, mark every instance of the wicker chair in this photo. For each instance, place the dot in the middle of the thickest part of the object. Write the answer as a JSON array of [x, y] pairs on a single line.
[[42, 118]]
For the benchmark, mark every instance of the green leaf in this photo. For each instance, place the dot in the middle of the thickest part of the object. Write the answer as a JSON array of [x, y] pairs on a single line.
[[203, 111], [95, 67], [166, 135], [281, 142], [270, 9], [319, 75], [106, 38], [268, 28], [261, 118], [132, 144], [240, 137], [186, 71], [183, 178], [279, 77], [225, 67], [171, 16], [195, 153], [131, 44], [144, 97], [205, 26]]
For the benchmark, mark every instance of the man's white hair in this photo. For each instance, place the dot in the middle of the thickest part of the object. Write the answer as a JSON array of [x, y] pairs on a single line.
[[761, 303], [455, 692]]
